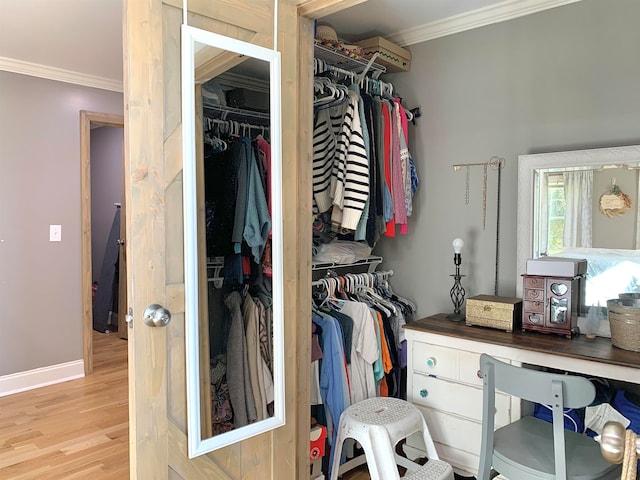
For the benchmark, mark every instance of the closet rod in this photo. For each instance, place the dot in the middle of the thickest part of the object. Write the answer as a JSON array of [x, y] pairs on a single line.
[[333, 68], [237, 111], [239, 124], [384, 274], [372, 260]]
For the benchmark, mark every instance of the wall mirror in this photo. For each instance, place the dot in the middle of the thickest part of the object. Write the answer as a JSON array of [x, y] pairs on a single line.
[[562, 212], [232, 239]]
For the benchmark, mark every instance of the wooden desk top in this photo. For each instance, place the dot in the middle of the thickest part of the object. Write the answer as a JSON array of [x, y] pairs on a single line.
[[599, 349]]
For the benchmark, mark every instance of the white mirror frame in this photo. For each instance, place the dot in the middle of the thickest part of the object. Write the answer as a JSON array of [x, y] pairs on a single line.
[[528, 164], [196, 444]]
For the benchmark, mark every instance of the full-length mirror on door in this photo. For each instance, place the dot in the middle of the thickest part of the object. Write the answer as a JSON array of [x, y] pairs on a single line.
[[233, 239]]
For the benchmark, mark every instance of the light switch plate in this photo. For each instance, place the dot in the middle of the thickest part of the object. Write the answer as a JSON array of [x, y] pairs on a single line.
[[55, 233]]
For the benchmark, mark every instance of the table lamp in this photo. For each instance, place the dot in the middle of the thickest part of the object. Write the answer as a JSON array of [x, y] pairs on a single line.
[[457, 291]]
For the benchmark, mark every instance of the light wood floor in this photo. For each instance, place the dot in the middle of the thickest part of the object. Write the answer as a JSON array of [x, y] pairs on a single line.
[[72, 430], [76, 429]]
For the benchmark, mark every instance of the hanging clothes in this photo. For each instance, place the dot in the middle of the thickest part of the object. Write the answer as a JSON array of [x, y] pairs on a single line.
[[257, 221], [350, 174], [333, 380], [237, 217], [375, 367], [240, 390], [364, 349], [259, 374], [362, 163]]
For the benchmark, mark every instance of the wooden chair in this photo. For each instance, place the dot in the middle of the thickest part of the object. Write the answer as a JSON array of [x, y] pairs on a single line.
[[531, 448]]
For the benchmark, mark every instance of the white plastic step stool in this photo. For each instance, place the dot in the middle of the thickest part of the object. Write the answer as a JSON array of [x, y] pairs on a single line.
[[378, 424]]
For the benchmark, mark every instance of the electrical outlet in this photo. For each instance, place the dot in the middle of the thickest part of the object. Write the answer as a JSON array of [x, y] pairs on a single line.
[[55, 233]]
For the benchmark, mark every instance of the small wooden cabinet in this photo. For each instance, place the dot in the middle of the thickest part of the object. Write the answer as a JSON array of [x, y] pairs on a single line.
[[551, 304]]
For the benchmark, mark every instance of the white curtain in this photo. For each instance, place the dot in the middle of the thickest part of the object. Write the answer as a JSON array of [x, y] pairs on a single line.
[[578, 194], [542, 226]]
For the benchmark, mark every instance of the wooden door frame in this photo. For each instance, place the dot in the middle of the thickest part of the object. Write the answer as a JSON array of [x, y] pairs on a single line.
[[87, 120]]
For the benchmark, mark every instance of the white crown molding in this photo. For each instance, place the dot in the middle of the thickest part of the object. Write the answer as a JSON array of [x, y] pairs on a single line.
[[40, 377], [500, 12], [59, 74]]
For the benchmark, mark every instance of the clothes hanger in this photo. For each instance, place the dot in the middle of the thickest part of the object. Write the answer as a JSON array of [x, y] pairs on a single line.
[[330, 288]]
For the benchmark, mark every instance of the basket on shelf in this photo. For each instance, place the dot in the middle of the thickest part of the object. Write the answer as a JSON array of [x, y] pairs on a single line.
[[624, 319], [629, 295]]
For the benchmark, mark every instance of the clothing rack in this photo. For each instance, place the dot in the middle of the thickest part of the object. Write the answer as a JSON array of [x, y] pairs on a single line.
[[248, 118], [232, 127], [214, 268], [329, 56], [225, 111], [372, 261], [230, 119], [369, 83], [359, 278]]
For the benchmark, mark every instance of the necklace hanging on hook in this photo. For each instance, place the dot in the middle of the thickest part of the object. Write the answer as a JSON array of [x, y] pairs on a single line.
[[466, 188], [484, 197]]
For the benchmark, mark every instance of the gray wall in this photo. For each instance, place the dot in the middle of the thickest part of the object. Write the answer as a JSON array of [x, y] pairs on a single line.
[[562, 79], [40, 282], [106, 188]]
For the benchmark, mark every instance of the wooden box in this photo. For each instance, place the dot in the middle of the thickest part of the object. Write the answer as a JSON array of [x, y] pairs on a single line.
[[503, 313], [551, 304], [392, 56]]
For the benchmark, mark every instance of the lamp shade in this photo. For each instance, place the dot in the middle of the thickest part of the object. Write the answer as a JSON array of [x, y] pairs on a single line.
[[458, 243]]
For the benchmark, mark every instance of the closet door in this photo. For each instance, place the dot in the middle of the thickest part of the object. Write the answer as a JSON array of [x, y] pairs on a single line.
[[153, 169], [153, 190]]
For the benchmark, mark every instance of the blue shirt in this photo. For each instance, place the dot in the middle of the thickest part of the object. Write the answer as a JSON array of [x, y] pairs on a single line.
[[332, 374]]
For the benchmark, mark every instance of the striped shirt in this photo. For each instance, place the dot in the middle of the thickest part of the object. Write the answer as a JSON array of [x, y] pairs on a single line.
[[350, 174], [324, 149]]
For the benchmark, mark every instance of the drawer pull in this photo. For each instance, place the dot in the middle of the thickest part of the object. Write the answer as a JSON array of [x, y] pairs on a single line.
[[424, 393], [431, 362], [479, 374], [487, 308]]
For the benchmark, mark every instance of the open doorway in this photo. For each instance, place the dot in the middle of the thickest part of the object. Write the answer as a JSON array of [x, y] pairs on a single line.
[[89, 121]]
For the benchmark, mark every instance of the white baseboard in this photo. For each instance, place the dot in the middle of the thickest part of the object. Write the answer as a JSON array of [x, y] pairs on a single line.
[[40, 377]]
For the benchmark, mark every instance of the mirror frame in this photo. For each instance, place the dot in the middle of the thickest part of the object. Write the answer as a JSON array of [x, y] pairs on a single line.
[[189, 36], [527, 166]]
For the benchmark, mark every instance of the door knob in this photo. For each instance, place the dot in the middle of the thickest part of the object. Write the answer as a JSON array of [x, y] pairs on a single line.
[[156, 316]]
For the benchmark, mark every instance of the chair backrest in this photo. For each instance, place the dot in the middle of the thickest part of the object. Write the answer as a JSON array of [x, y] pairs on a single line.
[[556, 390], [536, 386]]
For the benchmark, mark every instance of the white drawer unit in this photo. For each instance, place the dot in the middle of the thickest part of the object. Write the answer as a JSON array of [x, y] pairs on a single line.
[[456, 398], [444, 382], [442, 377], [441, 362]]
